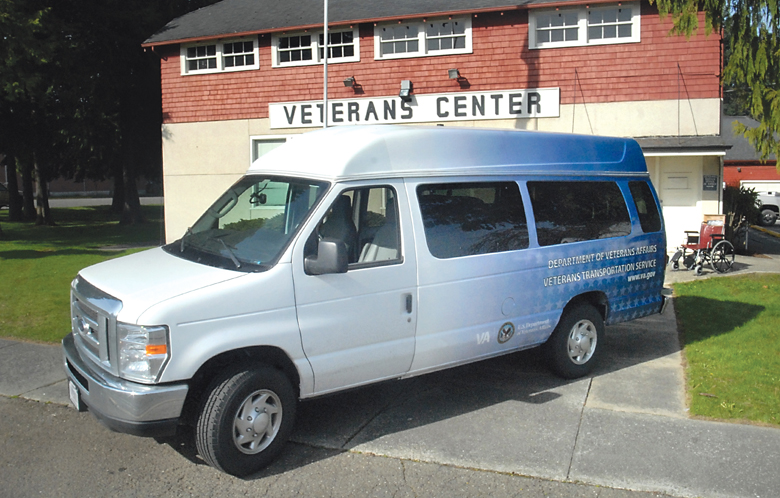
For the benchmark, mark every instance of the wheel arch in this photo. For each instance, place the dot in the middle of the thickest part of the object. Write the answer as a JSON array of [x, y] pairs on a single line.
[[229, 360], [597, 299]]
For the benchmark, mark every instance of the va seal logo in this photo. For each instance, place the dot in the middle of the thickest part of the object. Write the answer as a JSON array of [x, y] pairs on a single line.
[[506, 332]]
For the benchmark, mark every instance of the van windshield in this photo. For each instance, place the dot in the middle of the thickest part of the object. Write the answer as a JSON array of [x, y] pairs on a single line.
[[250, 225]]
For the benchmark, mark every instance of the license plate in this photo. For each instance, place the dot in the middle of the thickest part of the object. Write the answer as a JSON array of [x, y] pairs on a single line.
[[75, 395]]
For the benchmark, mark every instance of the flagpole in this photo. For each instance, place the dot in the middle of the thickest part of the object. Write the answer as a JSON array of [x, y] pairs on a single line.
[[325, 69]]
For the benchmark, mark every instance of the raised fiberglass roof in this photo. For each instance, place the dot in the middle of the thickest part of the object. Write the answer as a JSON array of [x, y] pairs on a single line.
[[387, 151]]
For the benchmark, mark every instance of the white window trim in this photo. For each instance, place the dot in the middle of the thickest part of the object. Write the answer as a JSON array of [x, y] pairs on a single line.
[[582, 27], [421, 40], [220, 58], [263, 138], [315, 36]]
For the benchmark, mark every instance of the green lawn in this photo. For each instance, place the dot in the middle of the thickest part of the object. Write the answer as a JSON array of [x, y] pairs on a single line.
[[731, 336], [37, 264]]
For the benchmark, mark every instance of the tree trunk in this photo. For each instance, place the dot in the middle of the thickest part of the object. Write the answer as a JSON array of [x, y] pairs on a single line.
[[131, 214], [15, 202], [42, 211], [118, 199], [28, 208]]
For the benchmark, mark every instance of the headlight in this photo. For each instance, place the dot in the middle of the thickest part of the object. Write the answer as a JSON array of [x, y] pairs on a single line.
[[143, 352]]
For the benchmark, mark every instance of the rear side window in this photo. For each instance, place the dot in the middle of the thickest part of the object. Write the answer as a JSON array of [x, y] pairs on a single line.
[[645, 206], [465, 219], [569, 211]]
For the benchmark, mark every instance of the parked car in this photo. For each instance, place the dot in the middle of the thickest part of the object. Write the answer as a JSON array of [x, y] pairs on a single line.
[[356, 255], [770, 207]]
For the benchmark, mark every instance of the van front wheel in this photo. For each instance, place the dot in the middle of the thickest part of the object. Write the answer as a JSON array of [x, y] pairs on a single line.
[[574, 346], [245, 421]]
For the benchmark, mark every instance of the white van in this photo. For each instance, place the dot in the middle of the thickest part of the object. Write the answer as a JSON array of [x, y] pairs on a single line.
[[355, 255]]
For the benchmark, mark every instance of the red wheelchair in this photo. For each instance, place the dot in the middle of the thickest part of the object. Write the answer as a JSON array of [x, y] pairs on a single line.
[[707, 246]]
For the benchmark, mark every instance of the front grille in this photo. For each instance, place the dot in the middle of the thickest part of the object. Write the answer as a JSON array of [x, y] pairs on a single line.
[[93, 322]]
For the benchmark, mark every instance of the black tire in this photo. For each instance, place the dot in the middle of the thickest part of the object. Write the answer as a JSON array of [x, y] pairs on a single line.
[[767, 218], [574, 347], [230, 404], [722, 256]]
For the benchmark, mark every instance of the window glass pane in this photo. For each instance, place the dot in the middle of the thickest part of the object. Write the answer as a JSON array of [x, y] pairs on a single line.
[[413, 46], [349, 51], [211, 50], [543, 21], [463, 219], [568, 211], [191, 53], [250, 59], [624, 15], [248, 227], [594, 33], [624, 31], [556, 35], [610, 31], [458, 28], [378, 229], [229, 61], [307, 54], [571, 34], [284, 42], [228, 48], [645, 206]]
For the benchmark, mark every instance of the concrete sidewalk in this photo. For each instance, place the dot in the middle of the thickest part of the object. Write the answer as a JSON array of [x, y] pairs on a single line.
[[624, 427]]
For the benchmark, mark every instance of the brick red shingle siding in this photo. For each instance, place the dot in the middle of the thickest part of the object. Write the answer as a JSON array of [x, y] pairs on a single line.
[[500, 60]]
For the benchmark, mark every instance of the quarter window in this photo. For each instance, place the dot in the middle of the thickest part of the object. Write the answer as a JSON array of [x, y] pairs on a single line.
[[466, 219], [417, 39], [568, 212], [301, 49], [234, 55], [585, 26], [646, 207]]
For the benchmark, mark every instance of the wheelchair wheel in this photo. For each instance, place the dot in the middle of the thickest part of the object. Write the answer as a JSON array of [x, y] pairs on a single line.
[[722, 256]]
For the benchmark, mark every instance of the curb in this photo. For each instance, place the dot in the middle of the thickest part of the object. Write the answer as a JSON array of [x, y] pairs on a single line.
[[764, 230]]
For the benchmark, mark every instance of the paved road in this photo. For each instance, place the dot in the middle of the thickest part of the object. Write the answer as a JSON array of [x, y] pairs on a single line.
[[50, 450]]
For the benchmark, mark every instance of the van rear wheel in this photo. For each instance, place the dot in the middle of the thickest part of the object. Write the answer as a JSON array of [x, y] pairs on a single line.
[[246, 420], [574, 347]]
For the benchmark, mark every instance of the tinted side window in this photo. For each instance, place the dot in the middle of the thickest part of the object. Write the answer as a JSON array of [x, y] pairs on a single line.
[[645, 206], [576, 211], [464, 219]]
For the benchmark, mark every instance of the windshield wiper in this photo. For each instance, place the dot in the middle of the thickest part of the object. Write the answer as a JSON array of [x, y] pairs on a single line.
[[186, 234], [230, 253]]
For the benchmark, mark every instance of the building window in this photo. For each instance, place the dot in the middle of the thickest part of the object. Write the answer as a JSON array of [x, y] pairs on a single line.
[[301, 49], [419, 39], [584, 26], [233, 55], [239, 54], [341, 45]]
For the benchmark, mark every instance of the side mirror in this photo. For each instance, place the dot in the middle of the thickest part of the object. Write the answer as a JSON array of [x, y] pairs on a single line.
[[331, 257]]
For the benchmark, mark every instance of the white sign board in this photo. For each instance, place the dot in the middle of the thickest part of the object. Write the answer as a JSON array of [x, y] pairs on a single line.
[[461, 106]]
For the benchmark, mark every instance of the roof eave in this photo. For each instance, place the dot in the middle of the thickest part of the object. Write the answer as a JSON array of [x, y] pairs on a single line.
[[148, 44]]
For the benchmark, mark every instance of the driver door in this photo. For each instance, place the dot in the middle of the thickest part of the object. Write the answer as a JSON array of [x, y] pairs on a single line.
[[358, 327]]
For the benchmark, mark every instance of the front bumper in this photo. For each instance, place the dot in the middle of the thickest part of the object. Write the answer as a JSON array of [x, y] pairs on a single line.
[[123, 406]]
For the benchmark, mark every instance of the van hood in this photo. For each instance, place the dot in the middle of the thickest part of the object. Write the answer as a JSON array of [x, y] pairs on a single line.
[[144, 279]]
